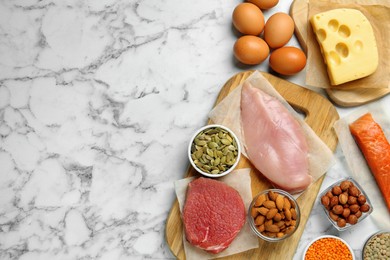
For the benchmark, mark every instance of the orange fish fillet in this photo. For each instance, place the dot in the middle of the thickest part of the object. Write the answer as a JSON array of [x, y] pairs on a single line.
[[376, 149]]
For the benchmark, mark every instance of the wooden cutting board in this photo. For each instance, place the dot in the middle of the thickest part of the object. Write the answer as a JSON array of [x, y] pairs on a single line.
[[299, 11], [320, 115]]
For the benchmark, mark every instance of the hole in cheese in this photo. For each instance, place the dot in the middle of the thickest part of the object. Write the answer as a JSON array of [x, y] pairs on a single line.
[[344, 31], [358, 45], [342, 49], [321, 35], [333, 25], [334, 58]]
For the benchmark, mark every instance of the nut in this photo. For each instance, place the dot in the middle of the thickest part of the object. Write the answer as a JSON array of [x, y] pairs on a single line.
[[336, 190], [358, 214], [269, 204], [346, 212], [338, 209], [352, 219], [344, 185], [259, 220], [329, 194], [365, 208], [271, 213], [354, 208], [274, 214], [260, 200], [333, 216], [280, 202], [343, 198], [341, 222], [352, 200], [361, 199], [353, 191], [334, 201], [263, 211], [325, 201]]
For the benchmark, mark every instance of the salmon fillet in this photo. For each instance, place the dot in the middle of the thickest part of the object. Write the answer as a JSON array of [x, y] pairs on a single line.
[[274, 140], [376, 149]]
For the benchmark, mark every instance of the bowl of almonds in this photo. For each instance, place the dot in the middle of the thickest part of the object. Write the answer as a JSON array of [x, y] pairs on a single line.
[[274, 215], [214, 151], [345, 203]]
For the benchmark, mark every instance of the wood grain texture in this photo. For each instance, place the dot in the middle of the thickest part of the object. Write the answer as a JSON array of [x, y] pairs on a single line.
[[347, 98], [320, 116]]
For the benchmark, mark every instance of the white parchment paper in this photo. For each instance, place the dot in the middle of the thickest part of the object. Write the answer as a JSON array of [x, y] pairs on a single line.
[[357, 163], [228, 113], [240, 180]]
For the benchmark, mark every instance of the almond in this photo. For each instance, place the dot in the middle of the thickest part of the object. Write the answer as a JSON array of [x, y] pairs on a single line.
[[261, 228], [254, 212], [287, 204], [260, 200], [269, 204], [277, 217], [272, 228], [288, 214], [259, 220], [271, 213], [272, 195], [293, 213], [280, 202], [263, 211]]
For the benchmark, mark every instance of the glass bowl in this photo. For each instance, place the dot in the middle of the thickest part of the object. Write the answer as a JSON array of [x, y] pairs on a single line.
[[214, 151], [324, 239], [360, 214], [267, 224]]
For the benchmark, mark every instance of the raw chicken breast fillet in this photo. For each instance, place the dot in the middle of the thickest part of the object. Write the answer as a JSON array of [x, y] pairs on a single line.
[[274, 140]]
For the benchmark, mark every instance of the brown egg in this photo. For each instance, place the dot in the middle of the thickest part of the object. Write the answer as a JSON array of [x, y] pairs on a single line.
[[278, 30], [264, 4], [250, 49], [248, 19], [287, 60]]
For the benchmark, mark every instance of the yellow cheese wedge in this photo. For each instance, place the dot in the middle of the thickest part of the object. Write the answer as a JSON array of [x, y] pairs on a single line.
[[347, 44]]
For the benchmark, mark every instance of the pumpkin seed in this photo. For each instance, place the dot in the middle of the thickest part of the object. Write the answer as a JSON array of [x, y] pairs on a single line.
[[214, 150]]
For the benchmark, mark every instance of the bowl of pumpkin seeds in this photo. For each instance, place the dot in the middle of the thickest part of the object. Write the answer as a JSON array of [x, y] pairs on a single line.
[[214, 151]]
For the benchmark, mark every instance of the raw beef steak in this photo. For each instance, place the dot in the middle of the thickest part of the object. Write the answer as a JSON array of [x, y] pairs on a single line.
[[213, 214]]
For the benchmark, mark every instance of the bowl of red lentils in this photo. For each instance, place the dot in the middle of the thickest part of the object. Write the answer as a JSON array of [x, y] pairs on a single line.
[[328, 247]]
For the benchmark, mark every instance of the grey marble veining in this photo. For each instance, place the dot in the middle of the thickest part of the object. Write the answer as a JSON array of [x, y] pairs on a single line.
[[98, 100]]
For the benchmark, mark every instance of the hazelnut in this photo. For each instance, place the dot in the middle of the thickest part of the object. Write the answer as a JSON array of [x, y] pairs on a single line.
[[325, 200], [341, 222], [352, 219], [344, 185], [329, 194], [358, 214], [336, 190], [346, 212], [333, 216], [343, 198], [353, 191], [334, 201], [352, 200], [338, 209], [365, 208], [354, 208], [361, 199]]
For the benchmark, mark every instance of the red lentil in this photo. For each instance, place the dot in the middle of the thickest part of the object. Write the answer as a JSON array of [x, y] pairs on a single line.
[[328, 249]]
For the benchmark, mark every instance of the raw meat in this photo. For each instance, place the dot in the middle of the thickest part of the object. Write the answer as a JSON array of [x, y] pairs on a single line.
[[275, 142], [213, 214], [376, 149]]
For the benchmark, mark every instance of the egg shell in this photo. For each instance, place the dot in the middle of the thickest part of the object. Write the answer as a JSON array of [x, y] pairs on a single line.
[[278, 30], [287, 60], [248, 19], [264, 4], [250, 49]]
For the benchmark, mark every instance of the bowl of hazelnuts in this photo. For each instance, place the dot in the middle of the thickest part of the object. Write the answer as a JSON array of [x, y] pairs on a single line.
[[345, 203]]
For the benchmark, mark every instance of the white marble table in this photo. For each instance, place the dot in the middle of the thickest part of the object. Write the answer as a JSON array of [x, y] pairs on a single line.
[[98, 100]]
